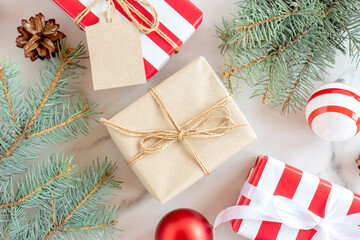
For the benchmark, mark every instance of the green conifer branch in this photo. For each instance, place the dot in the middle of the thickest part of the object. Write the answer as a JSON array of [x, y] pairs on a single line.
[[48, 175], [86, 110], [111, 223], [297, 83], [233, 71], [6, 92], [354, 48], [291, 30], [270, 81], [248, 27], [28, 126], [5, 234], [44, 115], [65, 204], [36, 190], [94, 187], [58, 227]]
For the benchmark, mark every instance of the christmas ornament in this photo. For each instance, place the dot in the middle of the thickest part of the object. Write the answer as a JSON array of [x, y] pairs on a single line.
[[278, 46], [38, 37], [184, 224], [51, 200], [333, 112]]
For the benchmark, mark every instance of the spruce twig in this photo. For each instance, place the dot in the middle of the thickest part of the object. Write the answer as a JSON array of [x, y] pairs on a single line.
[[351, 37], [36, 190], [231, 72], [52, 207], [293, 31], [91, 194], [272, 19], [28, 126], [266, 94], [111, 223], [63, 204], [5, 234], [6, 92], [83, 114], [44, 116], [58, 227], [297, 83]]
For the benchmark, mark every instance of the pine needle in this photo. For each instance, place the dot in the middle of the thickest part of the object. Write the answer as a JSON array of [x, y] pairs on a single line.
[[291, 31]]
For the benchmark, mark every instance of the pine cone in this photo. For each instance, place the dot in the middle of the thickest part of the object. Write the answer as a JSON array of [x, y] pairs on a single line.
[[38, 37]]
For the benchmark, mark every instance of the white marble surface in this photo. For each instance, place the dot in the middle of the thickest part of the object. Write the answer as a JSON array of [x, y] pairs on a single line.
[[287, 138]]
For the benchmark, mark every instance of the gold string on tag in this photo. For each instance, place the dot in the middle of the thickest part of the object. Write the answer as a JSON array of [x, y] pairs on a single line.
[[153, 26], [192, 129]]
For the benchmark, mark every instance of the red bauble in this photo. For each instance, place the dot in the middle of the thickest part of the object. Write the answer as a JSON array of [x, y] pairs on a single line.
[[184, 224]]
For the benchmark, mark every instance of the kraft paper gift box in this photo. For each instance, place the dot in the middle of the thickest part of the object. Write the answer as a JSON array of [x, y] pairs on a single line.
[[328, 211], [179, 20], [187, 94]]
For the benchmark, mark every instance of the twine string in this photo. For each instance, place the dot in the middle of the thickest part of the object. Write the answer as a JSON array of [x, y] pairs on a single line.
[[194, 128], [130, 11]]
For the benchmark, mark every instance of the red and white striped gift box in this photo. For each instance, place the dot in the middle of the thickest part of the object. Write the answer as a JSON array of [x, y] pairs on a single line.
[[178, 20], [280, 179]]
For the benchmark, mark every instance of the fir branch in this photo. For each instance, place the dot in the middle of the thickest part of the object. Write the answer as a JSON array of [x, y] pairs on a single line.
[[272, 19], [266, 29], [7, 95], [65, 204], [60, 226], [98, 225], [83, 114], [50, 90], [5, 234], [270, 81], [37, 180], [45, 115], [268, 55], [111, 223], [29, 195], [23, 135], [52, 208], [13, 223], [351, 37], [355, 40], [295, 86]]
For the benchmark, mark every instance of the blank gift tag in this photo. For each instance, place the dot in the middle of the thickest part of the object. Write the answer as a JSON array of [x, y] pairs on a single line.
[[115, 53]]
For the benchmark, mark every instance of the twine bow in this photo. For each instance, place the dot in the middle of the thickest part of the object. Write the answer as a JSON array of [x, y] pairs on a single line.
[[194, 128], [130, 11]]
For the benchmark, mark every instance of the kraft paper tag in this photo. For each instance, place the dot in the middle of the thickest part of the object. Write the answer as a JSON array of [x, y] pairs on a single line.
[[115, 53]]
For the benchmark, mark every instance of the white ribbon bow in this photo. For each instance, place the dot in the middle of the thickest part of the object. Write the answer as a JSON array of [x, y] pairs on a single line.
[[294, 215]]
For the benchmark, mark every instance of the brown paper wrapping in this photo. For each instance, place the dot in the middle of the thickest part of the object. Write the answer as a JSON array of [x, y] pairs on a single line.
[[187, 93]]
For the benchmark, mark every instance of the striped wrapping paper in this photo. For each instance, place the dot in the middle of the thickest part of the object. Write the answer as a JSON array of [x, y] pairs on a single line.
[[178, 20], [280, 179]]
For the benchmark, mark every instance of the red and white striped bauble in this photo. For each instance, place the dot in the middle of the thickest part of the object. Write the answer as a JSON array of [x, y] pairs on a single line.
[[333, 112]]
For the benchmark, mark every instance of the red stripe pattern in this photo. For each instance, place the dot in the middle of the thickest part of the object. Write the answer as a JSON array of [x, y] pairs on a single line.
[[287, 186], [333, 112], [165, 46], [254, 179], [335, 91], [183, 10], [334, 109], [187, 10]]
